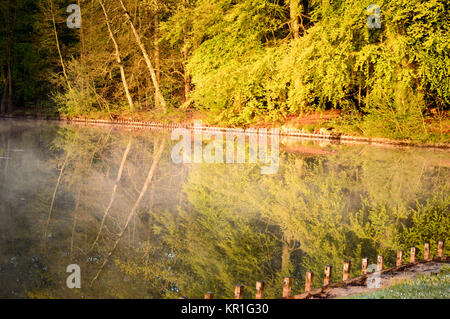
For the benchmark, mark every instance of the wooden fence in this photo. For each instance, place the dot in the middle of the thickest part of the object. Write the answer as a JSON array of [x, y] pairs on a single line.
[[346, 280]]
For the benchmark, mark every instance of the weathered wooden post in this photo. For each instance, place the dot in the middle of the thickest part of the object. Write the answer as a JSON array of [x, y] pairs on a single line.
[[441, 249], [346, 270], [209, 295], [327, 275], [399, 258], [287, 287], [426, 251], [364, 265], [309, 281], [380, 263], [412, 258], [239, 292], [260, 290]]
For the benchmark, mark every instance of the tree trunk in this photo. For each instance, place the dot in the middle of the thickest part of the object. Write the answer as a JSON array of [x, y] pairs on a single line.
[[52, 203], [7, 103], [84, 74], [55, 32], [285, 257], [119, 60], [146, 58], [157, 53], [113, 194], [10, 92], [187, 77], [156, 158], [5, 92], [294, 15], [74, 225]]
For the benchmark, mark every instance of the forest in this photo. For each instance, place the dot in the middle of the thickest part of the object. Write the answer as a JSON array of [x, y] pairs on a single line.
[[233, 63]]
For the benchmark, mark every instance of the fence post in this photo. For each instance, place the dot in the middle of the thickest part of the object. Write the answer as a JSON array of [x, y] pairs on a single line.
[[441, 249], [364, 265], [346, 270], [287, 286], [399, 258], [412, 258], [380, 263], [239, 292], [426, 251], [260, 290], [209, 295], [327, 275], [309, 281]]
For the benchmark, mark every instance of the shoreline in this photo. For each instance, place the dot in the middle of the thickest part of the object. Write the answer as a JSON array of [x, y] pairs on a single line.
[[284, 132]]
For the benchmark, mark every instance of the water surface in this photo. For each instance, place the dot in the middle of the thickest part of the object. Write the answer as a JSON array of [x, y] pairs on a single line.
[[201, 227]]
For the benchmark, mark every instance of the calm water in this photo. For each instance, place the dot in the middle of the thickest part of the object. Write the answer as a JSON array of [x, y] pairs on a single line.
[[201, 227]]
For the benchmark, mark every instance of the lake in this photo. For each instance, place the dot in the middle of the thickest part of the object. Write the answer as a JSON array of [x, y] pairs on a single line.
[[111, 200]]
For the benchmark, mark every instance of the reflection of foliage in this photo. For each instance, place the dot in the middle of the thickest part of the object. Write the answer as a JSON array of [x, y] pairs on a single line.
[[324, 211], [223, 225], [429, 222]]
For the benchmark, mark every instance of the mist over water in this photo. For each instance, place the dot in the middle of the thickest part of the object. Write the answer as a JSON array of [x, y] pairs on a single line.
[[75, 195]]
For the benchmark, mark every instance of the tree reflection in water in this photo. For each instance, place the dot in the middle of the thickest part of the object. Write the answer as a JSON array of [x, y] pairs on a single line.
[[73, 194]]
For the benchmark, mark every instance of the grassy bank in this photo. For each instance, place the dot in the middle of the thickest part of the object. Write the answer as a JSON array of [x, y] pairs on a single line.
[[424, 287]]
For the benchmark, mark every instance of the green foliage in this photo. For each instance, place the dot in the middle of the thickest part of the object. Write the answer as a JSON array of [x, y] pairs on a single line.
[[392, 75], [428, 223], [74, 103], [242, 62]]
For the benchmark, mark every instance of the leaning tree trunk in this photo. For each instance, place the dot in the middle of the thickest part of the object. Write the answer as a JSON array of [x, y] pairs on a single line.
[[158, 93], [52, 203], [187, 77], [151, 173], [157, 52], [113, 194], [55, 33], [119, 60]]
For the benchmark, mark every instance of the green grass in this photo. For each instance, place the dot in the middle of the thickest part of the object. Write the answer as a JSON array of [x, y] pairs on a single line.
[[423, 287]]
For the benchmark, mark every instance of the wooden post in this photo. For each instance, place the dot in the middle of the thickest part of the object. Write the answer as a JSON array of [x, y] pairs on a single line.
[[309, 281], [441, 249], [209, 295], [287, 286], [239, 292], [364, 265], [399, 258], [327, 276], [426, 251], [380, 263], [260, 290], [346, 270], [412, 259]]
